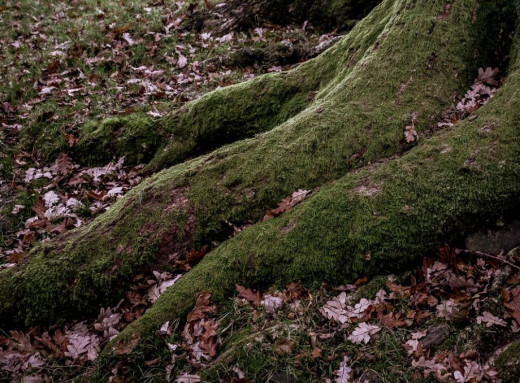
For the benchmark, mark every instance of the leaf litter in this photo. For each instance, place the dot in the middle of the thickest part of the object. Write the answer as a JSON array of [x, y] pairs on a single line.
[[454, 289], [76, 194]]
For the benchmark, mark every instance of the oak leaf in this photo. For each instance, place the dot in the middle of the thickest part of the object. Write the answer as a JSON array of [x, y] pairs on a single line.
[[63, 165], [363, 333], [343, 372], [488, 76], [335, 309], [77, 346], [248, 295], [489, 319]]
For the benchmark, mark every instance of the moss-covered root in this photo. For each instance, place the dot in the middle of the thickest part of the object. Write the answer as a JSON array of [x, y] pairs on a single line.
[[224, 115], [240, 111], [508, 363], [372, 221], [357, 118], [220, 117]]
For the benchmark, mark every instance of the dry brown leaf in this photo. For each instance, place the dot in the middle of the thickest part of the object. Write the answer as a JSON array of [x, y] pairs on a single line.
[[284, 347], [122, 29], [294, 290], [39, 207], [202, 306], [63, 165], [514, 305], [248, 295], [48, 343], [410, 134], [395, 288], [287, 203], [194, 256], [363, 333], [71, 140], [335, 309], [16, 255], [21, 341], [488, 76], [391, 320]]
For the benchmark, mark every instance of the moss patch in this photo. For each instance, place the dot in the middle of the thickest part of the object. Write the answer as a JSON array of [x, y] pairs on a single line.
[[508, 363], [134, 138], [357, 117]]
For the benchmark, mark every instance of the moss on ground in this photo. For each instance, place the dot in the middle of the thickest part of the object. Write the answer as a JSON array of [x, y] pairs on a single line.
[[131, 137], [449, 183], [253, 107], [508, 363]]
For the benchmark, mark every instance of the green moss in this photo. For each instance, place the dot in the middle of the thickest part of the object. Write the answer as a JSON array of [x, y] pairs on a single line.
[[508, 363], [425, 197], [357, 117], [133, 137], [43, 137], [230, 114], [370, 289]]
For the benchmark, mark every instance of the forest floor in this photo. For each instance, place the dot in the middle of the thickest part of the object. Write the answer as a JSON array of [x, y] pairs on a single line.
[[65, 63]]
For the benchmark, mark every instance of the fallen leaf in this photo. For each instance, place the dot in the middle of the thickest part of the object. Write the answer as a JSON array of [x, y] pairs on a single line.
[[271, 303], [316, 353], [248, 295], [63, 164], [51, 198], [287, 203], [17, 209], [410, 134], [343, 372], [284, 347], [125, 348], [335, 309], [202, 306], [490, 320], [488, 76], [391, 320], [182, 61], [78, 345], [128, 39], [363, 333]]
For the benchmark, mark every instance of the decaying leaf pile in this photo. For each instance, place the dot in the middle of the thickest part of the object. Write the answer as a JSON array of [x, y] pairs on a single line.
[[449, 318]]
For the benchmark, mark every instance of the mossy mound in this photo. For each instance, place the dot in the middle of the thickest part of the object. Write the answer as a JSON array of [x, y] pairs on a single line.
[[131, 137]]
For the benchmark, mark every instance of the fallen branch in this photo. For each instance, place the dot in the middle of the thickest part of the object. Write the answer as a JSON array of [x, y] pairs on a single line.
[[486, 255]]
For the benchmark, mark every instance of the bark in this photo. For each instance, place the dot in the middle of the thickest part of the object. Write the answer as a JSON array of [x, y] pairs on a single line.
[[333, 125]]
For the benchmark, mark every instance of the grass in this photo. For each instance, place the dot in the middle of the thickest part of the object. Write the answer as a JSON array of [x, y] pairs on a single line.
[[68, 66], [314, 148]]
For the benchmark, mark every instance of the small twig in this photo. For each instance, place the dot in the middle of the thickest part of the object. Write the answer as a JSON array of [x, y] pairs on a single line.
[[486, 255], [12, 182]]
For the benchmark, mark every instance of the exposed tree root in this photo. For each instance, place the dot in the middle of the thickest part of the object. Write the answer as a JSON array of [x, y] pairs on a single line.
[[369, 216]]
